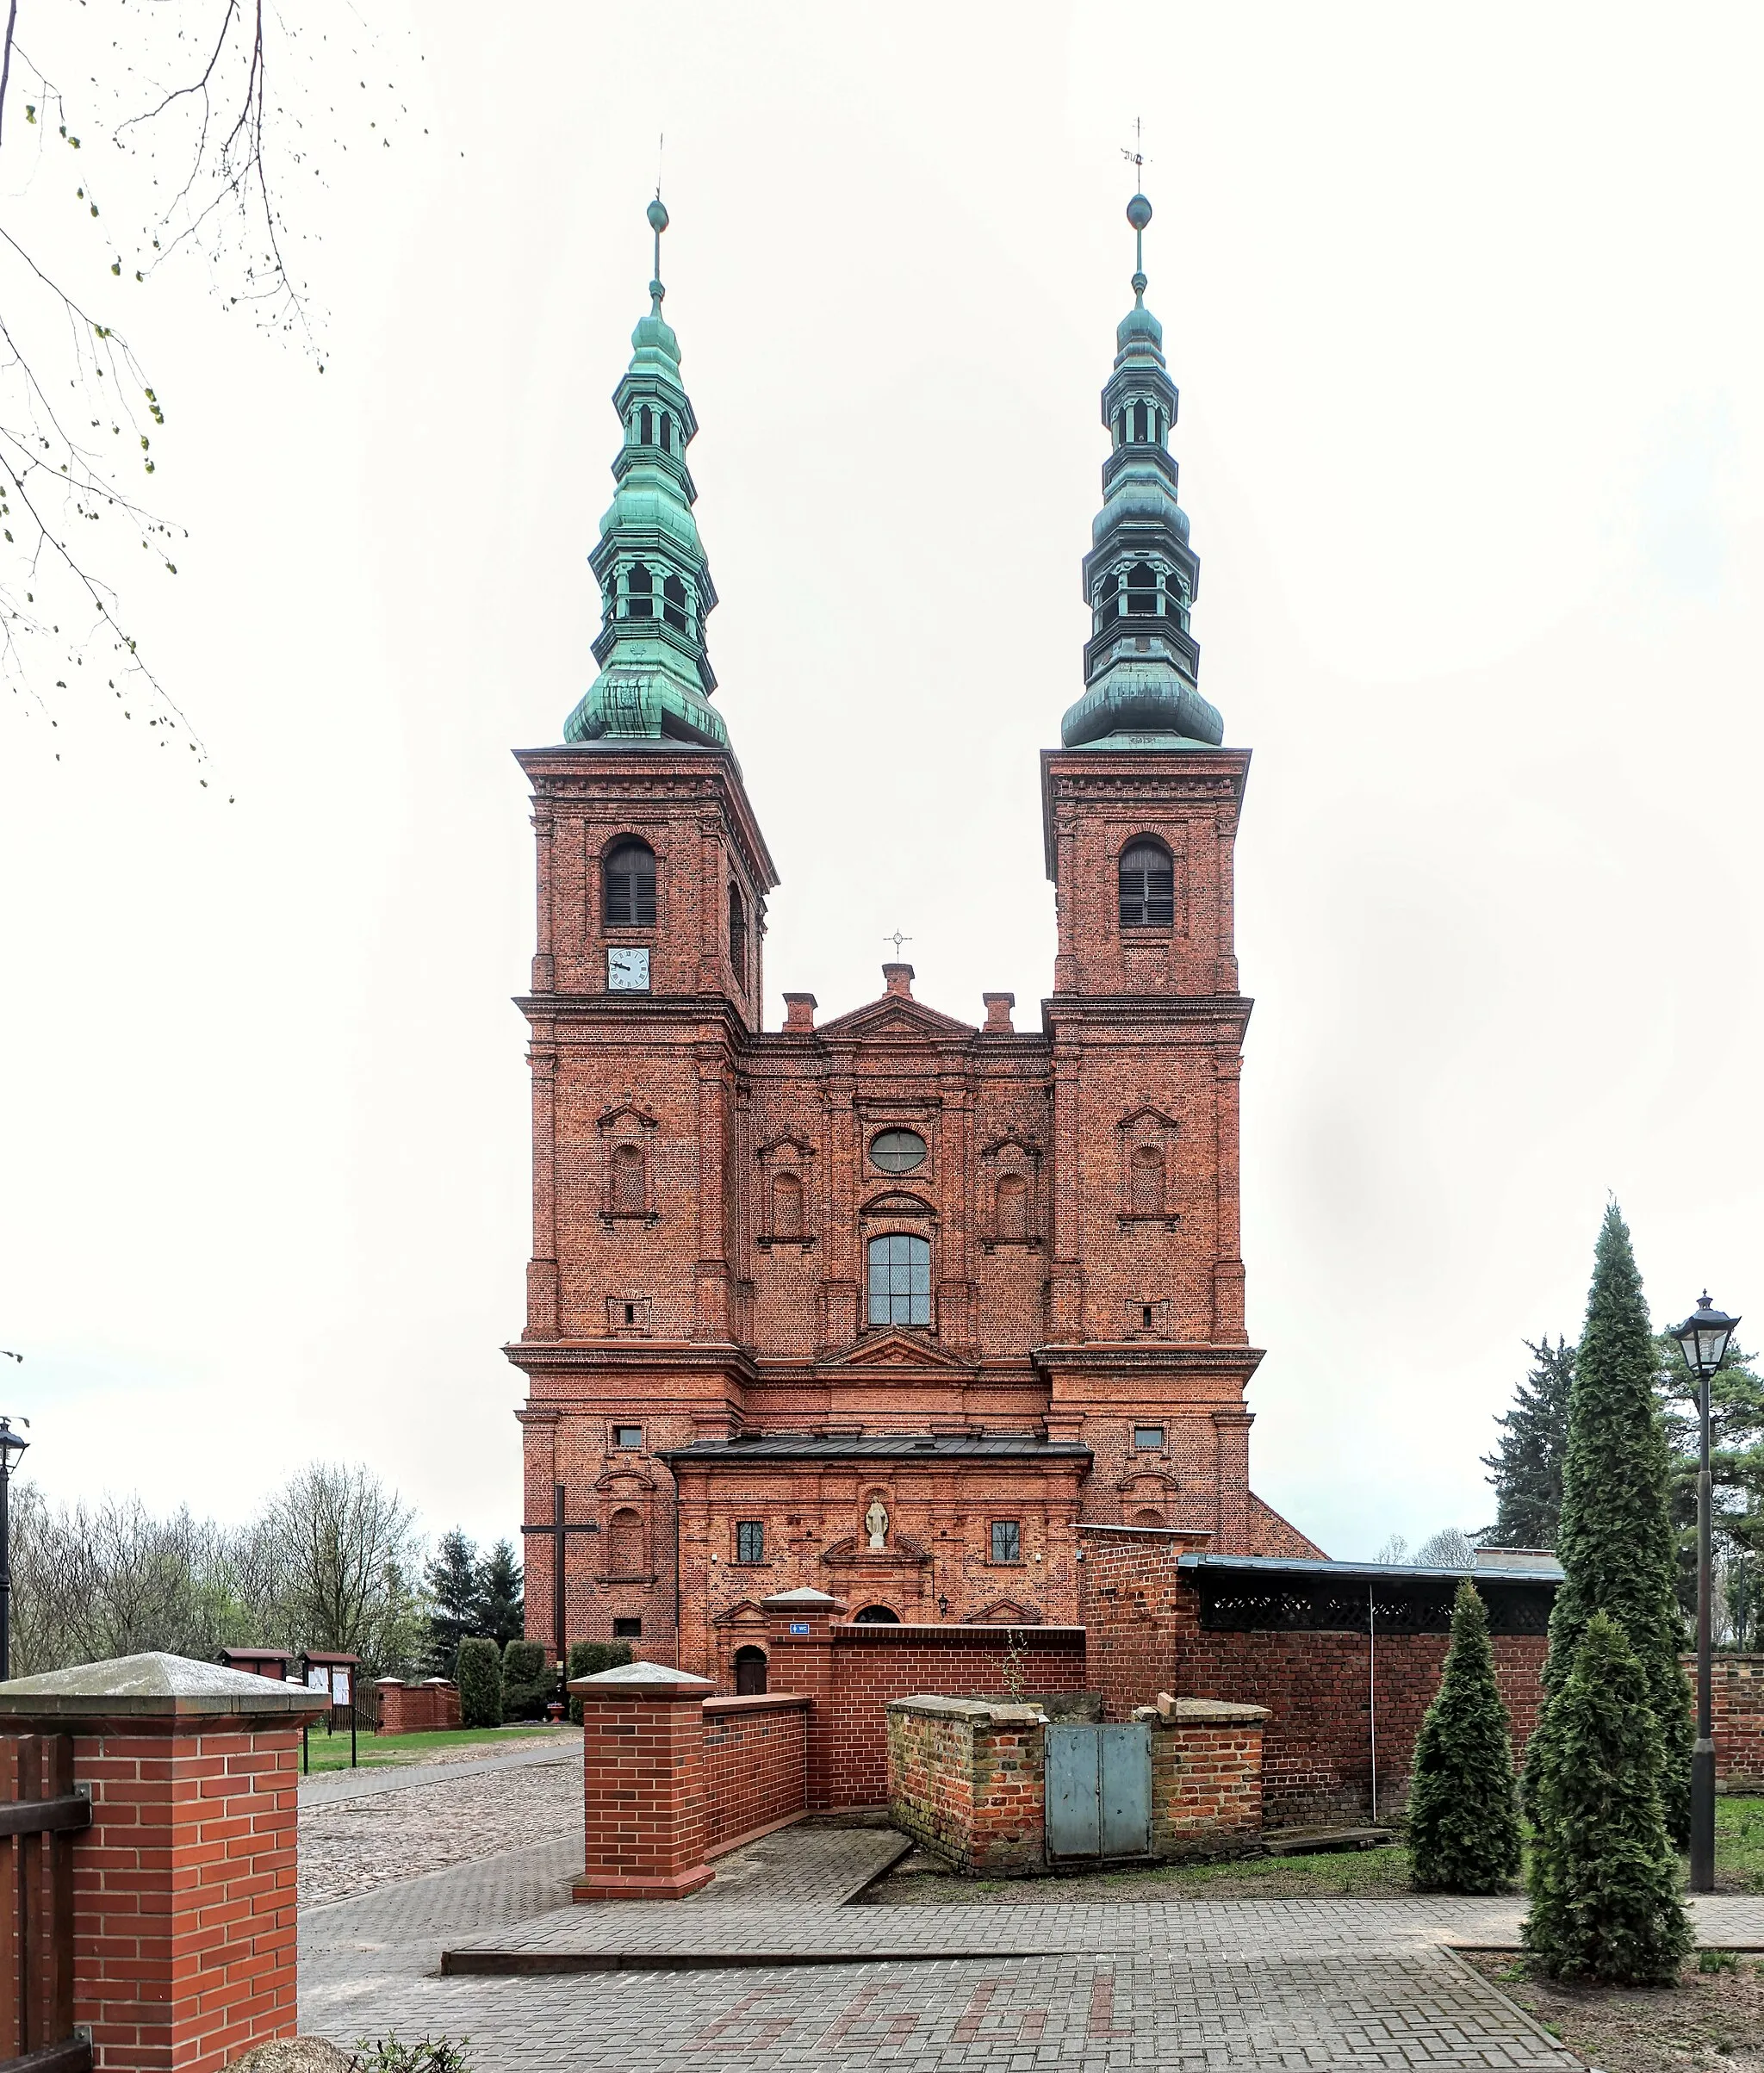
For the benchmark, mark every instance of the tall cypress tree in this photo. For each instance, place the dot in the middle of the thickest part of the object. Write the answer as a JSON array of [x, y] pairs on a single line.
[[1463, 1817], [1605, 1882], [1616, 1543], [1526, 1466]]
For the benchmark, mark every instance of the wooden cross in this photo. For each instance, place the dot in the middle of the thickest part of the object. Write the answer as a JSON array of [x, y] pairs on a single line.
[[558, 1533]]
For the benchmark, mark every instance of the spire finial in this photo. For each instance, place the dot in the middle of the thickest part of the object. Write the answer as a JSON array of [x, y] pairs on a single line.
[[1139, 211], [657, 213]]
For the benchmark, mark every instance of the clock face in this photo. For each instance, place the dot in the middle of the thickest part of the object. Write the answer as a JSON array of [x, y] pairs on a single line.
[[627, 970]]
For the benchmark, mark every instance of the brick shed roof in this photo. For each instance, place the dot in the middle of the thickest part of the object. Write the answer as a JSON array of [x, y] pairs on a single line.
[[891, 1446]]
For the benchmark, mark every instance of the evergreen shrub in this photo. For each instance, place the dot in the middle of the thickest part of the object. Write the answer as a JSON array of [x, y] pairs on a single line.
[[589, 1658], [1604, 1876], [529, 1682], [1464, 1822], [1616, 1543], [479, 1674]]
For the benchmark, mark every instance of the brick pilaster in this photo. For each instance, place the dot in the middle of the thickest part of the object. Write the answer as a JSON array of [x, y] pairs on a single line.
[[645, 1820]]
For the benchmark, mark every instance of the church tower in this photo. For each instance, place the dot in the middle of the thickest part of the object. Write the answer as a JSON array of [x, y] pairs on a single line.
[[1140, 815], [889, 1308]]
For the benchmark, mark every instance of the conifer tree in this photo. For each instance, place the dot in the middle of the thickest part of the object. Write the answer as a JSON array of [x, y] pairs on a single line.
[[1463, 1817], [1604, 1877], [499, 1611], [1526, 1467], [452, 1579], [1616, 1543]]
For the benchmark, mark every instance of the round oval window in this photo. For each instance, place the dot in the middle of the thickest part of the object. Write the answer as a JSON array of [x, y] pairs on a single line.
[[897, 1150]]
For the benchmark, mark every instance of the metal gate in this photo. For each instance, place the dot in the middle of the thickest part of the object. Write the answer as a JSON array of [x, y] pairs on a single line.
[[1098, 1790]]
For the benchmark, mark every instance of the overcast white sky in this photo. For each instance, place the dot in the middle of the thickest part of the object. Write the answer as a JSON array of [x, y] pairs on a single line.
[[1465, 309]]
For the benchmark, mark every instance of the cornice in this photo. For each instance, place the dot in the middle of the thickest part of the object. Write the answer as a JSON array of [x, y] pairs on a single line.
[[575, 772], [576, 1356], [1231, 1009], [1147, 1357]]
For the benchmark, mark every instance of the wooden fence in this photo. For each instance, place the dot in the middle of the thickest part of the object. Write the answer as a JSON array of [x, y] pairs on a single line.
[[40, 1815]]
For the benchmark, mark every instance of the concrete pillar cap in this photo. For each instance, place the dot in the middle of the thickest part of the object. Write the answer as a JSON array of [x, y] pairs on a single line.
[[153, 1684]]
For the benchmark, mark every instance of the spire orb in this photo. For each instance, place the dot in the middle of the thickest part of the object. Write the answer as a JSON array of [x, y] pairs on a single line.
[[657, 214], [1138, 212]]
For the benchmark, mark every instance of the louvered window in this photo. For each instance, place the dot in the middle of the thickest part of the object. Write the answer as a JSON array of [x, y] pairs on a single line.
[[1147, 886], [630, 874]]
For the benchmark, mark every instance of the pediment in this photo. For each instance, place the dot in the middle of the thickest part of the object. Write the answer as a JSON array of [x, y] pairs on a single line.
[[896, 1201], [788, 1142], [627, 1112], [624, 1482], [1147, 1114], [896, 1016], [897, 1351], [1006, 1612], [1011, 1142], [903, 1552], [746, 1614], [1159, 1478]]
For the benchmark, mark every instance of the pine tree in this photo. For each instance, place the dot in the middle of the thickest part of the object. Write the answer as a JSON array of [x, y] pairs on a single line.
[[1464, 1818], [452, 1579], [1604, 1878], [1616, 1543], [499, 1611], [1526, 1467]]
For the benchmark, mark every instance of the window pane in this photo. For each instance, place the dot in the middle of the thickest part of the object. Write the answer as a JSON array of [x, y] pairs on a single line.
[[627, 1436], [1006, 1540], [897, 1150], [750, 1540], [1148, 1436]]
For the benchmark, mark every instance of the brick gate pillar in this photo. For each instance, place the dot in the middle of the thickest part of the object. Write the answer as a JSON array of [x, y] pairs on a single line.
[[184, 1884], [799, 1659], [644, 1817]]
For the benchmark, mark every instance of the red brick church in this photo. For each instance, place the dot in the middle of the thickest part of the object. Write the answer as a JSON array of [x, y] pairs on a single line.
[[879, 1307]]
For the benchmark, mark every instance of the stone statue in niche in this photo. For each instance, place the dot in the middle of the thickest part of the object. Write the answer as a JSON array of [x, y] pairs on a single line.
[[876, 1523]]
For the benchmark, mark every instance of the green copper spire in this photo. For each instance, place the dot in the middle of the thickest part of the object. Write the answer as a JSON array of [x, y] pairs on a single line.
[[656, 679], [1141, 663]]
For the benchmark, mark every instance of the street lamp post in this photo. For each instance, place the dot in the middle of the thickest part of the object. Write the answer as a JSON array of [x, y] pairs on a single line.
[[1703, 1340], [11, 1446]]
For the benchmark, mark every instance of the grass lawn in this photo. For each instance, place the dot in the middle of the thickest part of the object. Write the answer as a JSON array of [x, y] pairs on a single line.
[[1365, 1874], [331, 1752]]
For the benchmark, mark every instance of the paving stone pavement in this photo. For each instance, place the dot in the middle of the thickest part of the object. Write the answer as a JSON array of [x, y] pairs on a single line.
[[1209, 1986], [329, 1788]]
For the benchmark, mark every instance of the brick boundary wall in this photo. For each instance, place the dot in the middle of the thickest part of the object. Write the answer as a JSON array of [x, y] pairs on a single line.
[[756, 1765], [1143, 1617], [1737, 1691], [967, 1780], [645, 1816], [874, 1665], [1207, 1778], [184, 1886], [429, 1708]]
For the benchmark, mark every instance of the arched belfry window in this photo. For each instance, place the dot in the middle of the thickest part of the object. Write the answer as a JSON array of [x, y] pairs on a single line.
[[1109, 599], [630, 882], [674, 601], [639, 593], [646, 427], [1147, 885], [900, 1279], [738, 933], [665, 423], [1142, 589]]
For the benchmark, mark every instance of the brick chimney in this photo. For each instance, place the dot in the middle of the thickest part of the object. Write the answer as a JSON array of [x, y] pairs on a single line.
[[899, 980]]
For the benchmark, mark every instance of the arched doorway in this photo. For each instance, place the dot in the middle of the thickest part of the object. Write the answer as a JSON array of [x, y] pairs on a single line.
[[750, 1672], [877, 1616]]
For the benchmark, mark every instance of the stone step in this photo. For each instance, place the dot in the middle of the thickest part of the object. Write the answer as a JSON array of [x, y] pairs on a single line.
[[1303, 1842]]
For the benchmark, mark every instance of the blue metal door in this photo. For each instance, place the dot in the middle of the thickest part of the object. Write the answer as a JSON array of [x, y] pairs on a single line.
[[1098, 1790]]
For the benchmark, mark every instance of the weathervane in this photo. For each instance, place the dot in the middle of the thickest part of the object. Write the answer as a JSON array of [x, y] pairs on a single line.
[[1136, 157], [896, 939], [658, 221], [1138, 210]]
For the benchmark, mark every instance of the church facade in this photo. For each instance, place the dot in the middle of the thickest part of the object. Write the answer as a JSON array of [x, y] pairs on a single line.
[[881, 1307]]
